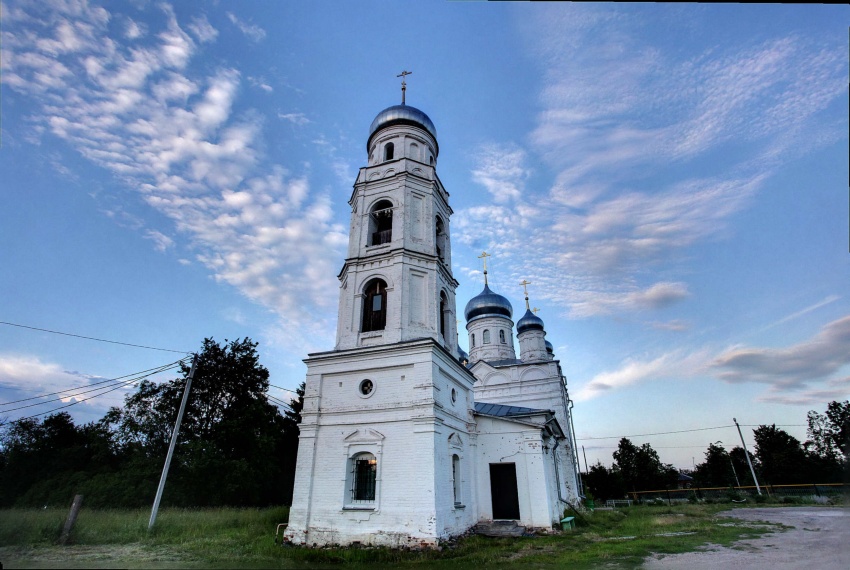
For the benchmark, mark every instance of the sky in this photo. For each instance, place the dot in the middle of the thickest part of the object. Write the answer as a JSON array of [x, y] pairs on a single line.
[[671, 179]]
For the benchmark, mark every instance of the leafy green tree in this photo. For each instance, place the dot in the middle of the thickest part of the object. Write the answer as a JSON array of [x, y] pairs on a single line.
[[829, 434], [717, 469], [232, 441], [604, 483], [641, 467], [782, 458], [742, 468]]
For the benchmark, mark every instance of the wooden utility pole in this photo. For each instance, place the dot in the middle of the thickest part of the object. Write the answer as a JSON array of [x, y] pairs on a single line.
[[72, 518], [173, 443], [747, 453]]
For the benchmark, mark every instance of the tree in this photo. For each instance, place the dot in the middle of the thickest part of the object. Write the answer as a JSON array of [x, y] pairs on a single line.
[[829, 434], [232, 440], [641, 468], [781, 456], [716, 470], [604, 483]]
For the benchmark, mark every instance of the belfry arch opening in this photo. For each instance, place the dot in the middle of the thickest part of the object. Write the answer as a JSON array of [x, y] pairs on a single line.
[[381, 223], [374, 306], [389, 150], [444, 307], [440, 238]]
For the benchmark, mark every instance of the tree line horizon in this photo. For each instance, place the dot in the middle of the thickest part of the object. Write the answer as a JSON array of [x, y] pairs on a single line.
[[236, 448]]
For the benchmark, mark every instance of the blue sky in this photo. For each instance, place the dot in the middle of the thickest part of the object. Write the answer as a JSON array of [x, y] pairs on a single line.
[[672, 180]]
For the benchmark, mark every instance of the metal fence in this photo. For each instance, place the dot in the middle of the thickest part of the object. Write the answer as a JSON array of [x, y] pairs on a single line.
[[805, 490]]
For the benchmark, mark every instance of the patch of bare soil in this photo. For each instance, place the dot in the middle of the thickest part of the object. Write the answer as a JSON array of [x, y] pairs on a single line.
[[102, 556], [819, 537]]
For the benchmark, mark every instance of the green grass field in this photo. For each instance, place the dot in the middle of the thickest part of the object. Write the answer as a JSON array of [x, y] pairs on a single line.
[[245, 538]]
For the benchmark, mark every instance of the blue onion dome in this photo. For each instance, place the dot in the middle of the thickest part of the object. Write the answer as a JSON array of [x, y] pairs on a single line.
[[402, 115], [462, 356], [528, 322], [488, 304], [549, 348]]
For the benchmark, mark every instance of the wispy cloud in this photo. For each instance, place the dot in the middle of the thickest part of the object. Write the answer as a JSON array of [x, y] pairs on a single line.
[[617, 106], [678, 365], [822, 303], [294, 118], [790, 368], [170, 132], [254, 32]]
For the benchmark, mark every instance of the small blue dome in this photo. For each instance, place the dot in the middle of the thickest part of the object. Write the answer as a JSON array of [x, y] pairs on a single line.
[[462, 356], [402, 115], [549, 348], [528, 322], [488, 304]]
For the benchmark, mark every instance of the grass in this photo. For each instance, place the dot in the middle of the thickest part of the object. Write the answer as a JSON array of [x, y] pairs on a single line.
[[245, 538]]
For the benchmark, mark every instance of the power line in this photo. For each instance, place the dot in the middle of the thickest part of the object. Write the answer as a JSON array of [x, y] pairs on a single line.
[[93, 338], [684, 431], [111, 388], [284, 389], [78, 388], [75, 392]]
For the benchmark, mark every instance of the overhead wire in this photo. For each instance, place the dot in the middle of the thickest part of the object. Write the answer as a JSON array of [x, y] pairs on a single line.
[[78, 388], [75, 392], [102, 390], [94, 338], [682, 431]]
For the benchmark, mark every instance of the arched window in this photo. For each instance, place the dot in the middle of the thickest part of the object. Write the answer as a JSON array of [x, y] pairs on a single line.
[[414, 151], [389, 149], [444, 305], [472, 341], [502, 337], [381, 223], [362, 475], [486, 339], [374, 306], [456, 478], [440, 238]]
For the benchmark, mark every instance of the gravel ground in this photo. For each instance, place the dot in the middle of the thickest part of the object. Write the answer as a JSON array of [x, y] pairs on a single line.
[[820, 538]]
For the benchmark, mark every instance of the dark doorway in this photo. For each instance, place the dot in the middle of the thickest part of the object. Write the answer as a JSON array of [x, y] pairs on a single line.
[[503, 491]]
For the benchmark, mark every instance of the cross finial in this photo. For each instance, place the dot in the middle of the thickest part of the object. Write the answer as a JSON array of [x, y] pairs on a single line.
[[403, 74], [484, 255], [534, 310], [525, 285]]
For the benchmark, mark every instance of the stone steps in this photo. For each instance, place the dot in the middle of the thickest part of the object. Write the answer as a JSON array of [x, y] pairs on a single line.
[[499, 528]]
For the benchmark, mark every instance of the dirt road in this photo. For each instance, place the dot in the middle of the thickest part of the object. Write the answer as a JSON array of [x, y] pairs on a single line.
[[820, 539]]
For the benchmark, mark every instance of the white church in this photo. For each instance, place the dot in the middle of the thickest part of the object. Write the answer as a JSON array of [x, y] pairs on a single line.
[[406, 439]]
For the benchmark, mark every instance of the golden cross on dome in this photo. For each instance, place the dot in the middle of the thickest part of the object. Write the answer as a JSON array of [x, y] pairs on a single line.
[[403, 74], [525, 285], [534, 310], [484, 255]]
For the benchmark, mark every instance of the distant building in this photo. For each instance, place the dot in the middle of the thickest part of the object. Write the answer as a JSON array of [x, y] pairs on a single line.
[[406, 439]]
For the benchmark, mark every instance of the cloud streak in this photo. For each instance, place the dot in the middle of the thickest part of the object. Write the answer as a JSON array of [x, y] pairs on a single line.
[[141, 111], [714, 126]]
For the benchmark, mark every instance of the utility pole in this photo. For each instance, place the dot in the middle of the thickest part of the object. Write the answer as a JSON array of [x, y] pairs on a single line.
[[174, 434], [747, 453], [585, 459]]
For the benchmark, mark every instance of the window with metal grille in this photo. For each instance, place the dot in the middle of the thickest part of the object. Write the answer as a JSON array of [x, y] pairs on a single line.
[[502, 336], [364, 468]]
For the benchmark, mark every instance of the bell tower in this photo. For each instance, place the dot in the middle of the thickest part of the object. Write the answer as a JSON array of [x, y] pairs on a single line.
[[385, 452], [396, 283]]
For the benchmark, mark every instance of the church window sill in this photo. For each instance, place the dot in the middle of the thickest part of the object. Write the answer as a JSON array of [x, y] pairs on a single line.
[[357, 508], [459, 507]]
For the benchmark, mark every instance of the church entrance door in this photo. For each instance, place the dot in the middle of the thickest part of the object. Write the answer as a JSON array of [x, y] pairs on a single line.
[[503, 491]]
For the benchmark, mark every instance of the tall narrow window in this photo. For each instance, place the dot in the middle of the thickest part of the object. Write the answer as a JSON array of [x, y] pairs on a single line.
[[440, 239], [381, 223], [374, 306], [389, 149], [472, 341], [502, 336], [486, 339], [456, 478], [362, 473], [443, 306]]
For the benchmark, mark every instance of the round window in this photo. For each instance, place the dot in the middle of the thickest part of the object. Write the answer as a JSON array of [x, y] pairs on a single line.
[[366, 387]]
